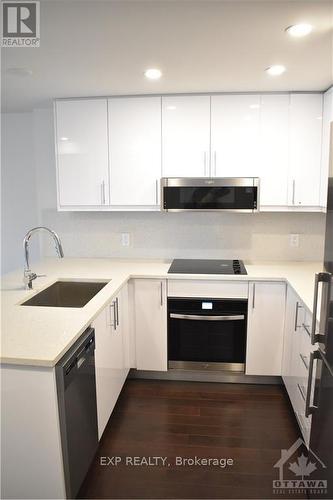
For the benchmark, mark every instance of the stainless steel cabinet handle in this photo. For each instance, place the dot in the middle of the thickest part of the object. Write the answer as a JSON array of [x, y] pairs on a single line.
[[117, 311], [161, 293], [306, 328], [326, 279], [156, 191], [304, 358], [301, 390], [294, 185], [197, 317], [113, 313], [298, 307], [254, 296], [103, 193]]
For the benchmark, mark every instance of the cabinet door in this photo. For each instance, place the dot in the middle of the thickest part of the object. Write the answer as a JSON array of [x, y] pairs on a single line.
[[185, 136], [82, 152], [110, 360], [135, 150], [235, 135], [274, 152], [289, 333], [305, 149], [325, 153], [265, 328], [151, 324]]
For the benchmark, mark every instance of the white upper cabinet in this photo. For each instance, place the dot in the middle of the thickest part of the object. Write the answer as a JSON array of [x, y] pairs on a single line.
[[327, 121], [235, 135], [305, 149], [274, 152], [185, 136], [135, 150], [82, 152]]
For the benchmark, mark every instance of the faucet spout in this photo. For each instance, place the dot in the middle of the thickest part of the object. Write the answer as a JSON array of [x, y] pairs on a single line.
[[29, 276]]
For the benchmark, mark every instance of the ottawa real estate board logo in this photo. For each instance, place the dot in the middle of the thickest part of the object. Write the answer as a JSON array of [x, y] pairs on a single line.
[[20, 24], [300, 470]]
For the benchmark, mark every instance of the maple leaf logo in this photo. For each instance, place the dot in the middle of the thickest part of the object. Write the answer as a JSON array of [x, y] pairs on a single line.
[[303, 466]]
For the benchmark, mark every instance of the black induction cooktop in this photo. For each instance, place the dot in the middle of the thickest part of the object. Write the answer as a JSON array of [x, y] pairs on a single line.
[[207, 266]]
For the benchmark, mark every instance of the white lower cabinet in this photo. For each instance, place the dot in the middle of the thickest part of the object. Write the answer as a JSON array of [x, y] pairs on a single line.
[[265, 328], [296, 357], [151, 324], [111, 334]]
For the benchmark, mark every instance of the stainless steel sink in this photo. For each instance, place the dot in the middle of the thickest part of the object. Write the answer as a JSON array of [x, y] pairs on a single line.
[[66, 294]]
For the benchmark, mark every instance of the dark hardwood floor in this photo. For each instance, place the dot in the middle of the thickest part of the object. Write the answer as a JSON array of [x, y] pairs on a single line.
[[247, 423]]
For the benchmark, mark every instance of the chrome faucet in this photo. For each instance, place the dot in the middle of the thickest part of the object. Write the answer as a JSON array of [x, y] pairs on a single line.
[[29, 276]]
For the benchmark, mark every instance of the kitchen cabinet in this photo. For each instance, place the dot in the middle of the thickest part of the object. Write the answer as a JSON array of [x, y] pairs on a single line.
[[82, 153], [305, 135], [296, 357], [185, 136], [135, 151], [111, 331], [151, 324], [265, 328], [327, 121], [274, 149], [235, 123], [111, 153]]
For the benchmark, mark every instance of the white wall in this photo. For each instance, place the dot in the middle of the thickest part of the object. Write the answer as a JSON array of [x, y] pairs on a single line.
[[29, 187], [159, 235], [18, 188]]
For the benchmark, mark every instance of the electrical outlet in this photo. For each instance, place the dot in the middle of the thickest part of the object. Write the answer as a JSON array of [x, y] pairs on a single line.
[[125, 239], [294, 240]]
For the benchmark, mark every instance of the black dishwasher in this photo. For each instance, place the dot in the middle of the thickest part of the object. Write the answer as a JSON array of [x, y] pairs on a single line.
[[76, 388]]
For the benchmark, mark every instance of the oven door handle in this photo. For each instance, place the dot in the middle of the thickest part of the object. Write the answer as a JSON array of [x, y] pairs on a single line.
[[197, 317]]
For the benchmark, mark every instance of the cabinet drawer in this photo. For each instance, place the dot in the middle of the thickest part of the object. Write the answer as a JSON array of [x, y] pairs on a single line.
[[209, 289]]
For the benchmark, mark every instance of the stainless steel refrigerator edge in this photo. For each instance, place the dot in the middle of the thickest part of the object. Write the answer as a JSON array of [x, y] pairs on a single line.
[[319, 402]]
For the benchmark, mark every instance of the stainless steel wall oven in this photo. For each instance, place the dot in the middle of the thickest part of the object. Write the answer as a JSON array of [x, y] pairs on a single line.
[[207, 334]]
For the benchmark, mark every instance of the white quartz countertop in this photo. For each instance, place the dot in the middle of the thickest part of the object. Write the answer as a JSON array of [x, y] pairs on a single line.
[[39, 336]]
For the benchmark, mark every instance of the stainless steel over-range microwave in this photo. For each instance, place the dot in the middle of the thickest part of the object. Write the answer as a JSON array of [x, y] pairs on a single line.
[[234, 194]]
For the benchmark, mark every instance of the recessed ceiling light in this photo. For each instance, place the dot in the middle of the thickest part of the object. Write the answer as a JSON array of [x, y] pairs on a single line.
[[276, 70], [153, 73], [171, 108], [64, 138], [254, 106], [299, 30], [16, 71]]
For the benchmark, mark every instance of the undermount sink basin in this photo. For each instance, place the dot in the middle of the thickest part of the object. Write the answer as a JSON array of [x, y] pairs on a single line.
[[66, 294]]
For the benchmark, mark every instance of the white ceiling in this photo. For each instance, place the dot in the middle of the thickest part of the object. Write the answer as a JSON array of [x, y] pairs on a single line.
[[102, 47]]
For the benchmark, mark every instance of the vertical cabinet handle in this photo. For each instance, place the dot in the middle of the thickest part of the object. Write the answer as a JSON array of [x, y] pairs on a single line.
[[294, 185], [254, 296], [113, 313], [161, 293], [117, 311], [156, 191], [215, 163], [298, 307], [103, 193], [205, 163]]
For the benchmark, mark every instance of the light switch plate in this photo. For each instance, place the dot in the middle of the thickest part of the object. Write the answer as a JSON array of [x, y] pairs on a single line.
[[294, 240], [125, 239]]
